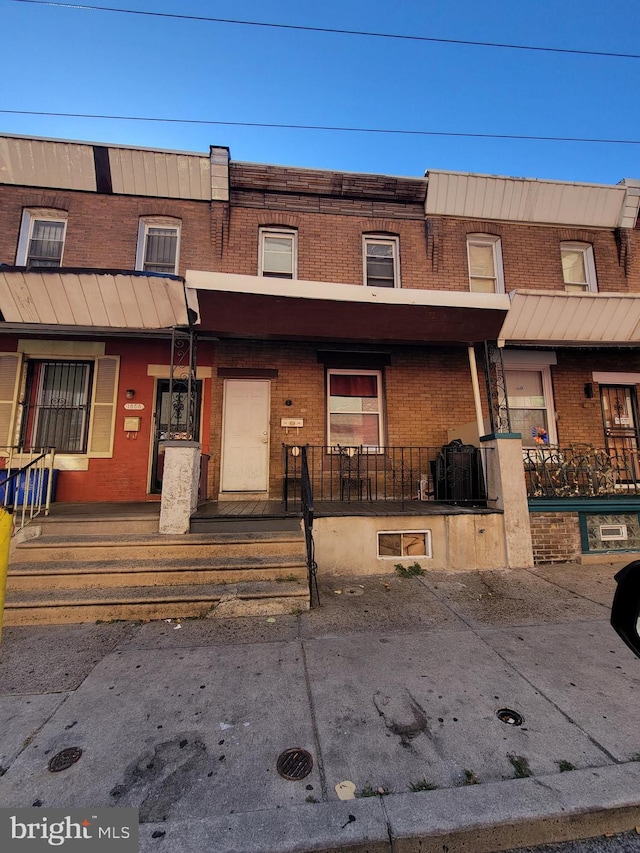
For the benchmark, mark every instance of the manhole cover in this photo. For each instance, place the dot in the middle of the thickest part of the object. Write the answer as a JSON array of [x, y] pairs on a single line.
[[294, 764], [509, 717], [63, 760]]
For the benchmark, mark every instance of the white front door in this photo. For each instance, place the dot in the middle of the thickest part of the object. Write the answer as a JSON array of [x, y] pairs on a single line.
[[245, 436]]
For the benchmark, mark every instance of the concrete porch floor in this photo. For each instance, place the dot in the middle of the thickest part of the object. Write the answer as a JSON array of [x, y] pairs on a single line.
[[333, 509]]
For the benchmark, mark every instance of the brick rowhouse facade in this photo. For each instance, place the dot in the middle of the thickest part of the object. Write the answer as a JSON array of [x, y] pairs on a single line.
[[426, 383]]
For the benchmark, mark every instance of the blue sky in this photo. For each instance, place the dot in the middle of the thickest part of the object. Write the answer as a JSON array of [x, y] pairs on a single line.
[[66, 60]]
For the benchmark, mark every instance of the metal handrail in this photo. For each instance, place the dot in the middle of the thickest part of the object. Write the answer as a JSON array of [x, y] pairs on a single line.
[[26, 491], [306, 496]]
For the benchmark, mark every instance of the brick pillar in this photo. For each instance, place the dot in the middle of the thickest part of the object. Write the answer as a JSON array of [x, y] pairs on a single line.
[[507, 491], [180, 480]]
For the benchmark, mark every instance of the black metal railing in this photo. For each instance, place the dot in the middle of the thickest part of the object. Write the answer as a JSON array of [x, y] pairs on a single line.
[[452, 474], [581, 471], [306, 496]]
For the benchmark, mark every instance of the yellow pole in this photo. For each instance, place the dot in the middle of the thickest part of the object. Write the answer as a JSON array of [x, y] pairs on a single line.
[[5, 539]]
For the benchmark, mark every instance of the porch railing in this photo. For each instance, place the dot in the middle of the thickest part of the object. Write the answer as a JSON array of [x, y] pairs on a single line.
[[452, 474], [581, 471], [26, 483]]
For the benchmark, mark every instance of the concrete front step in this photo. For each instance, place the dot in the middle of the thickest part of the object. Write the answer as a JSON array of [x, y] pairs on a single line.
[[146, 603], [229, 570], [147, 547], [107, 526]]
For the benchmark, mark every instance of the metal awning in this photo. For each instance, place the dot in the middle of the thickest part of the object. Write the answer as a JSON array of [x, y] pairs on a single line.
[[267, 308], [99, 299], [572, 319]]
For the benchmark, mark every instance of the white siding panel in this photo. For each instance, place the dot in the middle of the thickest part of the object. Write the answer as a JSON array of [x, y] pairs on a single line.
[[128, 302], [142, 289], [573, 318], [160, 174], [43, 163], [74, 294], [524, 199], [90, 284]]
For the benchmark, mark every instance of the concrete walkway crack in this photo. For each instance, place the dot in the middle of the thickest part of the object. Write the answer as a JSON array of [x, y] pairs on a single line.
[[314, 724]]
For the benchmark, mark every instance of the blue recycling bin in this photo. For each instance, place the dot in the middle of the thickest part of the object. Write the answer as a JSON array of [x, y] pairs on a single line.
[[29, 482], [6, 488]]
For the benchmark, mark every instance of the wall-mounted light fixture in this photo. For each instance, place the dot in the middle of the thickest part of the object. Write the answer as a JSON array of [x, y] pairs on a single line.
[[288, 402], [588, 390], [130, 392]]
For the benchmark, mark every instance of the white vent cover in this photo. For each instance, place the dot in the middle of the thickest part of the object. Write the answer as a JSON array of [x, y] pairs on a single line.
[[611, 532]]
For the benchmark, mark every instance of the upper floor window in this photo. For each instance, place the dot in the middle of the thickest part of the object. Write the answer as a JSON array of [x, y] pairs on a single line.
[[578, 267], [158, 246], [484, 254], [41, 242], [278, 253], [381, 261]]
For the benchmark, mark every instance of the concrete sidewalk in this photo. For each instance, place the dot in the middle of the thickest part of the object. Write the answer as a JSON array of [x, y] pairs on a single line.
[[392, 685]]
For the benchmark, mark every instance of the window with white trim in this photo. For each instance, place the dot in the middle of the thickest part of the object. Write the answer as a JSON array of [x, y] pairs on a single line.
[[484, 256], [381, 261], [41, 242], [530, 398], [158, 246], [404, 543], [355, 409], [278, 253], [578, 268]]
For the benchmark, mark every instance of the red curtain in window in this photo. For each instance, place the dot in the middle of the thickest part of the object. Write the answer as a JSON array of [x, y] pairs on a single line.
[[352, 385]]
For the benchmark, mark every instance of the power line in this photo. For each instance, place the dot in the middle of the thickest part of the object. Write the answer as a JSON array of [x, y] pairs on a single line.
[[329, 128], [332, 30]]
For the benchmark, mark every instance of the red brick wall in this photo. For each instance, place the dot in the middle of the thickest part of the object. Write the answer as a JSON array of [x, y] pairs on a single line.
[[579, 419], [102, 230], [426, 393], [555, 536]]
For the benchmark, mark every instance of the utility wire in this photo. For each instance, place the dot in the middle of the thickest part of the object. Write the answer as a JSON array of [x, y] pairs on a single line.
[[324, 127], [333, 30]]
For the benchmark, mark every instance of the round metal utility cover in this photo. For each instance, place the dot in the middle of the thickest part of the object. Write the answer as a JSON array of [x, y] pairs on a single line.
[[64, 759], [510, 717], [294, 764]]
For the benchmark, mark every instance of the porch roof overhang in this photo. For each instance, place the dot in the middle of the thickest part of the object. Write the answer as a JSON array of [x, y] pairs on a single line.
[[544, 318], [248, 306], [92, 299]]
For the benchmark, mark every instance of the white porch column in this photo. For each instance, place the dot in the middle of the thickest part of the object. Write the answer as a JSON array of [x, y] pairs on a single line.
[[180, 480], [476, 389], [507, 491]]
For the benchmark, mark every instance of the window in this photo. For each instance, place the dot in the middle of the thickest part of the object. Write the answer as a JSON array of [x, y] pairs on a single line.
[[158, 246], [56, 411], [278, 253], [578, 268], [381, 262], [41, 239], [405, 543], [530, 399], [355, 409], [484, 254]]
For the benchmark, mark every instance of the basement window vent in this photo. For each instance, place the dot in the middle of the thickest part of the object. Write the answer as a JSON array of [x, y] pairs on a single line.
[[613, 532], [404, 543]]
